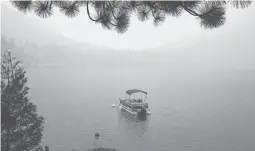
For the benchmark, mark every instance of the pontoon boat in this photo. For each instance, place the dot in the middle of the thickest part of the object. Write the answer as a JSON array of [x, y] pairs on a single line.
[[135, 106]]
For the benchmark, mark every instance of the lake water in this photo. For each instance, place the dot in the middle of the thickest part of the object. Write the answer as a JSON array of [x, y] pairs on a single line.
[[191, 111]]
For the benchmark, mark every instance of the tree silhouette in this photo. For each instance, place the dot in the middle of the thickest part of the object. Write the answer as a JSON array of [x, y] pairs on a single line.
[[116, 14], [21, 126]]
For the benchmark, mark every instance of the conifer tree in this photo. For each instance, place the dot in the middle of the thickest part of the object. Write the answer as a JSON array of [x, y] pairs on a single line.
[[116, 14], [21, 125]]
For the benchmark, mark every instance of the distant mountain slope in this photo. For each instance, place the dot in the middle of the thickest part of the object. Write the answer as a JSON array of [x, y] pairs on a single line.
[[24, 28]]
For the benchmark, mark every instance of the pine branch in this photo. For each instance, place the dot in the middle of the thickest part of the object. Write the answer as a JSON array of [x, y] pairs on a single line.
[[211, 17], [95, 20], [112, 10], [189, 10], [23, 6], [71, 9], [240, 3], [43, 9]]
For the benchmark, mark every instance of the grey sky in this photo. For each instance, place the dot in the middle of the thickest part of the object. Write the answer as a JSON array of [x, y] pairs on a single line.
[[173, 33]]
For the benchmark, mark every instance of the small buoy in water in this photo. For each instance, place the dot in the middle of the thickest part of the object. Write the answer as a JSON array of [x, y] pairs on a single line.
[[113, 105], [97, 135], [47, 148]]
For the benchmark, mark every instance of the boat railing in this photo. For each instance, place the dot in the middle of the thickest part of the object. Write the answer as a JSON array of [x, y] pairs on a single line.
[[139, 104], [134, 104]]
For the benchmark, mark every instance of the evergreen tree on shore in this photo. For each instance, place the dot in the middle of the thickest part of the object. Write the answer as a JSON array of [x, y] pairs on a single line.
[[21, 125]]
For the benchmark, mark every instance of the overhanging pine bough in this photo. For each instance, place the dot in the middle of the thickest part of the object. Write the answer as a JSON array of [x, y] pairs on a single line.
[[116, 14]]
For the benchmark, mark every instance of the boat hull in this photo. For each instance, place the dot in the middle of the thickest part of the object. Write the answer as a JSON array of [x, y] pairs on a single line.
[[136, 112]]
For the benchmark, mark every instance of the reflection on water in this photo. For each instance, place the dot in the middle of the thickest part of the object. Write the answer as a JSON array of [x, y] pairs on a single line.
[[137, 125], [142, 117]]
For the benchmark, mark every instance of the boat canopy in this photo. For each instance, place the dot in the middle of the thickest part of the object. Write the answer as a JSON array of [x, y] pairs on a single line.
[[129, 92]]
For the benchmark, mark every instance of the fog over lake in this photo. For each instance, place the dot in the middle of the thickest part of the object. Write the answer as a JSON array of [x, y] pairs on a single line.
[[190, 111]]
